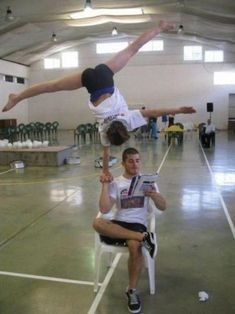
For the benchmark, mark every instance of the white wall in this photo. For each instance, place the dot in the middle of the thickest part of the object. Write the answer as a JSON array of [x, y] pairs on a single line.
[[151, 79], [19, 112]]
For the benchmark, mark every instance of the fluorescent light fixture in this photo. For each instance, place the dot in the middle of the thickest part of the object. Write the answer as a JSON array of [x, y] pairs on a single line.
[[9, 15], [114, 31], [88, 6], [99, 12], [181, 29], [53, 37]]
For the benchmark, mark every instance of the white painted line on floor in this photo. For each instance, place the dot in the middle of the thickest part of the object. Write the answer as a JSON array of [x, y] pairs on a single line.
[[230, 222], [164, 158], [76, 282], [104, 285], [7, 171]]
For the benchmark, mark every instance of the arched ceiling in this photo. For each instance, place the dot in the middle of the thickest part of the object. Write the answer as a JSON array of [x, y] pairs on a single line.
[[27, 38]]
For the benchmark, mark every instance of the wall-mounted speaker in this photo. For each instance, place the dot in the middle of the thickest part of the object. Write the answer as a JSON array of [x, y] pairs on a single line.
[[209, 107]]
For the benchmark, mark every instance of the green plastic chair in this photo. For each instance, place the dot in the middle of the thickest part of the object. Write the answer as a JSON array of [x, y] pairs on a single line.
[[54, 130], [80, 131], [20, 131], [96, 135], [40, 129], [11, 133], [89, 130]]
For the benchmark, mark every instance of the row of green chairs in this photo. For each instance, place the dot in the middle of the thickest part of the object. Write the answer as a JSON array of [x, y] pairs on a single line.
[[85, 130], [33, 131]]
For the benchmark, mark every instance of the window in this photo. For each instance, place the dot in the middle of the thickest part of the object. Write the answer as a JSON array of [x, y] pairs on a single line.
[[192, 53], [214, 56], [153, 45], [224, 78], [51, 63], [9, 78], [20, 80], [69, 59], [111, 47]]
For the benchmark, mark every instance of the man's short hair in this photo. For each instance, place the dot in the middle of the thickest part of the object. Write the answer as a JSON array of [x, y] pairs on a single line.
[[117, 133], [129, 151]]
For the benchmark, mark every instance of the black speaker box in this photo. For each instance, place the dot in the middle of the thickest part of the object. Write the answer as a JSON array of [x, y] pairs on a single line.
[[209, 107]]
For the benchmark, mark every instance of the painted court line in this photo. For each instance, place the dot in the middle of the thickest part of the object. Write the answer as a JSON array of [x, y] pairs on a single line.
[[46, 278], [164, 158], [104, 285], [230, 222]]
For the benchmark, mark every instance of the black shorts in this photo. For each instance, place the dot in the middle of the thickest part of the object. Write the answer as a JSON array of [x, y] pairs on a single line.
[[130, 226], [98, 78]]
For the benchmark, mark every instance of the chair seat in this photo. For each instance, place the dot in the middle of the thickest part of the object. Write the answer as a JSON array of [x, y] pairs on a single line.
[[112, 250]]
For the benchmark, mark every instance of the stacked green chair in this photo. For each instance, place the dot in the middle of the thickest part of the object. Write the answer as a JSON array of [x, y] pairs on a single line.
[[96, 132], [23, 132], [80, 132], [32, 130], [11, 134], [48, 130], [39, 131], [54, 130], [89, 130]]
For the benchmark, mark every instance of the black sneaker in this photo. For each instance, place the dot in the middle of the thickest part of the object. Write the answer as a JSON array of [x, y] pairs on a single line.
[[134, 305], [149, 242]]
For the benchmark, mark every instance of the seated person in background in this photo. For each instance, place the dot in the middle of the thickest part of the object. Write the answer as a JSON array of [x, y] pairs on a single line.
[[171, 119], [128, 224], [208, 134]]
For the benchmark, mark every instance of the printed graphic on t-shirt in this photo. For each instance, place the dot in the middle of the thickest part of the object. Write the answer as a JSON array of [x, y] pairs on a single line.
[[130, 201]]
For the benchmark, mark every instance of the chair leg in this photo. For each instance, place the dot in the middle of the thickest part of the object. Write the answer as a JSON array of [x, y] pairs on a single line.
[[150, 264], [98, 255]]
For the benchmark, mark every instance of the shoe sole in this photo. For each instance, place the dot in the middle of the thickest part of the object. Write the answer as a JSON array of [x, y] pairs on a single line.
[[155, 242], [134, 311]]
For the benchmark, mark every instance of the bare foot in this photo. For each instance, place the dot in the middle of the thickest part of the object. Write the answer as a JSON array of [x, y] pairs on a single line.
[[11, 102]]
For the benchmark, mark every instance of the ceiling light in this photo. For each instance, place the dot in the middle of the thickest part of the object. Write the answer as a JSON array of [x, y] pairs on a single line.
[[9, 15], [114, 31], [181, 3], [88, 6], [103, 12], [180, 29], [53, 37]]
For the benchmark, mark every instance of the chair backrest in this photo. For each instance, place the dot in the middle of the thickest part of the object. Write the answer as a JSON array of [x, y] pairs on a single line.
[[81, 128], [180, 125]]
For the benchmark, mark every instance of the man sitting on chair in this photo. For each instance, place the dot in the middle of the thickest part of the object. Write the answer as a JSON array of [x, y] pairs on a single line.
[[208, 134], [128, 225]]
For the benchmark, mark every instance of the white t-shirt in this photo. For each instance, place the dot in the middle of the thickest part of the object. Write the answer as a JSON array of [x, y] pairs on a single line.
[[128, 209], [210, 128], [115, 108]]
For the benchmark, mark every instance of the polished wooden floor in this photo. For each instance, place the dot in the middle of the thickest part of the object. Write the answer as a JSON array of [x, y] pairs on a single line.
[[47, 241]]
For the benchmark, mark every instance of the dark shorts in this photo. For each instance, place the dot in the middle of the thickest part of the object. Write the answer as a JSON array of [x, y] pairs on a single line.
[[101, 77], [130, 226]]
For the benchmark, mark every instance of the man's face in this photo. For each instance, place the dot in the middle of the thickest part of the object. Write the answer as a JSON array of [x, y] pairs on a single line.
[[132, 164]]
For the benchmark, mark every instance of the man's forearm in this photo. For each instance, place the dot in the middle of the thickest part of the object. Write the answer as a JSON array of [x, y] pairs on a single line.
[[106, 156], [105, 203]]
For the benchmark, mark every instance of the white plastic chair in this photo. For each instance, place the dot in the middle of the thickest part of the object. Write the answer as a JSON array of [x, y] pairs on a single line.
[[112, 250]]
